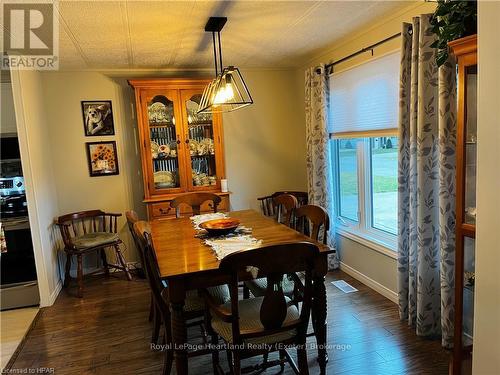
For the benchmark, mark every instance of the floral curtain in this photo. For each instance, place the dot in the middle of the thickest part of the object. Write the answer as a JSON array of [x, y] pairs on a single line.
[[426, 217], [319, 172]]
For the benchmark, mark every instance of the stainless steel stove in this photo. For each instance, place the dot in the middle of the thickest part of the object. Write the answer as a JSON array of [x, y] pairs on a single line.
[[19, 286]]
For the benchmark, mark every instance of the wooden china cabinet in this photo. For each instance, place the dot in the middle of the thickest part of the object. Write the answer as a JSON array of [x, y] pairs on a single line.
[[181, 151], [465, 50]]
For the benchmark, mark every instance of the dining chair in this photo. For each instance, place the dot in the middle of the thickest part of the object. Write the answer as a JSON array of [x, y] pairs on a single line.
[[269, 323], [133, 218], [195, 200], [268, 208], [194, 306], [87, 232], [285, 205], [313, 221]]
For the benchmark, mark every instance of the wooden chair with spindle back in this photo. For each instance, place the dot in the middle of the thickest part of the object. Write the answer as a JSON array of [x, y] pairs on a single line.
[[268, 207], [90, 231], [133, 218], [252, 325], [195, 200]]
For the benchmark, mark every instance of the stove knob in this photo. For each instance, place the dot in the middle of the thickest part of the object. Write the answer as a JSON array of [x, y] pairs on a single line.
[[19, 184]]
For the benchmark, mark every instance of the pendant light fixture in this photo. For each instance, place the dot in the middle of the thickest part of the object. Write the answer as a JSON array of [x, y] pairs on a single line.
[[227, 91]]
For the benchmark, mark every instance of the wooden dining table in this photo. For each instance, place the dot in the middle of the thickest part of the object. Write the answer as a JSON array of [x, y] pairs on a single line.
[[186, 263]]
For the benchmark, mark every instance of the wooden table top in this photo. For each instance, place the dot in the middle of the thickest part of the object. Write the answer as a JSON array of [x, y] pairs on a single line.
[[179, 252]]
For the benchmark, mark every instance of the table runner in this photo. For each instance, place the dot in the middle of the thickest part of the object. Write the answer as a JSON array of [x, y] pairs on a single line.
[[240, 239]]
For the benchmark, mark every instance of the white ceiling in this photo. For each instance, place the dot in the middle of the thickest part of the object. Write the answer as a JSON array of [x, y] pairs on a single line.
[[170, 34]]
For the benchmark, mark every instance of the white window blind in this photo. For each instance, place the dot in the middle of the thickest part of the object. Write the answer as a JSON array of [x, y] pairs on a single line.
[[364, 100]]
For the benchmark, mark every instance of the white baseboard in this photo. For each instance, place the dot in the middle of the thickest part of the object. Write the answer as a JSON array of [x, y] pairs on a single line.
[[54, 294], [369, 282]]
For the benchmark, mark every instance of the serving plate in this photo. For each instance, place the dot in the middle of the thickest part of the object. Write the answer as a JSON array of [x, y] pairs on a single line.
[[220, 227]]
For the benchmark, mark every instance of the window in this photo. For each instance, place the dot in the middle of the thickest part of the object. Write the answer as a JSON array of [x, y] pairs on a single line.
[[364, 116]]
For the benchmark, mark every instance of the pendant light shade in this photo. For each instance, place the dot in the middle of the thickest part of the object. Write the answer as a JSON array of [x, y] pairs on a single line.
[[226, 93], [228, 90]]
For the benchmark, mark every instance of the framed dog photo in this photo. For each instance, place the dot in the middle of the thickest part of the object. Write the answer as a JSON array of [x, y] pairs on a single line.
[[102, 158], [98, 118]]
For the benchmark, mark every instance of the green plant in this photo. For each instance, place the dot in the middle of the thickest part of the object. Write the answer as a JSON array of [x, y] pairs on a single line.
[[452, 19]]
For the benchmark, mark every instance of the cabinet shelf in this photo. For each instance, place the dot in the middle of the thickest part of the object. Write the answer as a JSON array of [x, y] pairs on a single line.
[[161, 125]]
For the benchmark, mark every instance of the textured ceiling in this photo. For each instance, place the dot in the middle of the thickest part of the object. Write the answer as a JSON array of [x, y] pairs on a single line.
[[170, 34]]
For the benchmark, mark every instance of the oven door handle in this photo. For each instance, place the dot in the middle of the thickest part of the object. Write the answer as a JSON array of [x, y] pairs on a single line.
[[23, 223]]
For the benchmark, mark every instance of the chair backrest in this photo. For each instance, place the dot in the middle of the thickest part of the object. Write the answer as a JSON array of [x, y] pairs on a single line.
[[314, 220], [285, 204], [195, 200], [269, 209], [143, 233], [274, 261], [302, 196], [133, 218], [80, 223]]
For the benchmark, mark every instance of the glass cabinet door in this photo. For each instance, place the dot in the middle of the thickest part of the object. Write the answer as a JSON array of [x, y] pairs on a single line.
[[470, 152], [468, 292], [201, 143], [164, 141]]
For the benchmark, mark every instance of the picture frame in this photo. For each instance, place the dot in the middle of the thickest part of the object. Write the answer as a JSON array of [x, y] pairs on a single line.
[[102, 158], [97, 118]]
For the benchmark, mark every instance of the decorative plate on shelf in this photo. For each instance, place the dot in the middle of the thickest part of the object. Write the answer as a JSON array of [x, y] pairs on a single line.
[[164, 179]]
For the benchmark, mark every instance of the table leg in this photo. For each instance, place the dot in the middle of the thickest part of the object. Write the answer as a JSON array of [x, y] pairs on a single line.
[[179, 331], [319, 320]]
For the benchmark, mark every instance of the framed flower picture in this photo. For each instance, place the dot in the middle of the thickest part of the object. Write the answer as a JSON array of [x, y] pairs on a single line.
[[102, 158], [98, 117]]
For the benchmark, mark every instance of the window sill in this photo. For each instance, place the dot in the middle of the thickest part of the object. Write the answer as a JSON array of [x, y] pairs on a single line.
[[369, 241]]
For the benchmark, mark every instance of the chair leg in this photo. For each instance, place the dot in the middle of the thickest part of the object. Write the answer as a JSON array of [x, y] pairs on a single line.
[[67, 276], [229, 355], [169, 353], [246, 292], [121, 259], [215, 353], [151, 308], [80, 275], [302, 359], [236, 363], [156, 326], [265, 358], [104, 262], [282, 360]]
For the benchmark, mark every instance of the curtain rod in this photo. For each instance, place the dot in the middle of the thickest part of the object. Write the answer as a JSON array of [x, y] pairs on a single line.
[[363, 50]]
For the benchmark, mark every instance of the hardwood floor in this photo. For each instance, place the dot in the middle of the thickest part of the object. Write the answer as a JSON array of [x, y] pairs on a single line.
[[107, 332]]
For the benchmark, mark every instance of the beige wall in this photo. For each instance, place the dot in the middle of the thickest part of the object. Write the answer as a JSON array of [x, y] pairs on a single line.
[[379, 268], [41, 190], [265, 143], [486, 358], [262, 142], [76, 190]]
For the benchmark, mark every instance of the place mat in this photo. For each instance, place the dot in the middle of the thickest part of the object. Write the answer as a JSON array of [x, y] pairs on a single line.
[[223, 246]]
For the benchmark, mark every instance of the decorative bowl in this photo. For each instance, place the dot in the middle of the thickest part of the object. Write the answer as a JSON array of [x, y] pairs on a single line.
[[220, 227]]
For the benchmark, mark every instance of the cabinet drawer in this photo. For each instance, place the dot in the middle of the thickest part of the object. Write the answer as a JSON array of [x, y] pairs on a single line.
[[164, 210]]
